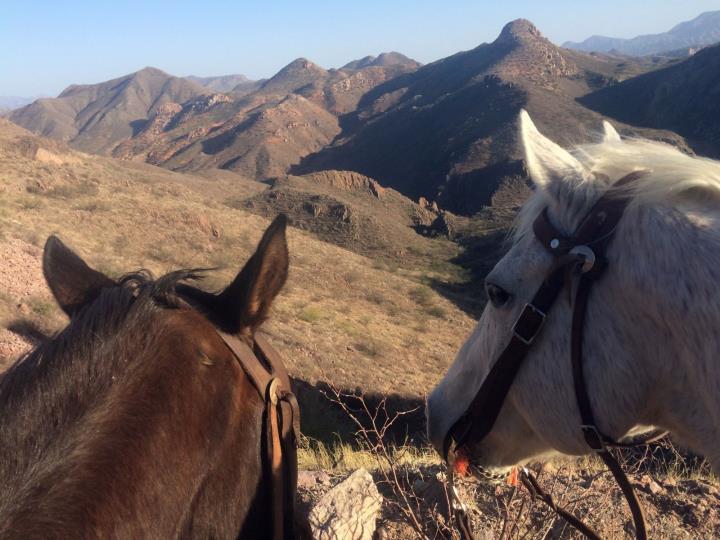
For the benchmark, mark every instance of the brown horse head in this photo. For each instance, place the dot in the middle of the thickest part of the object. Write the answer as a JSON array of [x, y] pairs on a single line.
[[137, 420]]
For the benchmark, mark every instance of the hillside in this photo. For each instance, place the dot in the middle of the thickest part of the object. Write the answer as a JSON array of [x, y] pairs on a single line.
[[446, 131], [95, 117], [360, 322], [257, 137], [355, 212], [699, 32], [684, 98], [261, 134]]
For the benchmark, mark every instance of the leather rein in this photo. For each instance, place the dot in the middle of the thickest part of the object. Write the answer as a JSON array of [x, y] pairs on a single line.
[[583, 255], [281, 425]]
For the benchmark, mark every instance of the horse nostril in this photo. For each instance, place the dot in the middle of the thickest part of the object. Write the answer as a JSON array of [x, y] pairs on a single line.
[[497, 295]]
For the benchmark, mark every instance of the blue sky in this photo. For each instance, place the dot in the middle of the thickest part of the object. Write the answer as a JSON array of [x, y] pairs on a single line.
[[47, 45]]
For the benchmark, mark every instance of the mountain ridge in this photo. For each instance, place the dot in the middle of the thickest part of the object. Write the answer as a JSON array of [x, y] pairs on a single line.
[[95, 117], [683, 98], [446, 131], [701, 31]]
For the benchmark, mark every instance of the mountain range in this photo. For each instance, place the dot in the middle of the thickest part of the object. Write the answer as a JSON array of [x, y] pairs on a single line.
[[684, 98], [699, 32], [444, 131]]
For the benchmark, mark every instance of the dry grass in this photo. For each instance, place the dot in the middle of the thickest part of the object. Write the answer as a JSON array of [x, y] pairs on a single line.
[[340, 311], [343, 457]]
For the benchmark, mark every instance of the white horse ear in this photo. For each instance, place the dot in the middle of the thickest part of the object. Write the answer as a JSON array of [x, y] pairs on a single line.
[[546, 161], [610, 134]]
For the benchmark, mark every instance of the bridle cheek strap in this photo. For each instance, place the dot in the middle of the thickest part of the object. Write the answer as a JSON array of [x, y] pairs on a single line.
[[583, 253], [265, 369]]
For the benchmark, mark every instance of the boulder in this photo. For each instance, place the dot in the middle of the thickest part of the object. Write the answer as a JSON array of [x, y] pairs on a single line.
[[348, 511]]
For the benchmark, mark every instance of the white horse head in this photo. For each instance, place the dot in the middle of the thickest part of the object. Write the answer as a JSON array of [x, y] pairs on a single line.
[[651, 341]]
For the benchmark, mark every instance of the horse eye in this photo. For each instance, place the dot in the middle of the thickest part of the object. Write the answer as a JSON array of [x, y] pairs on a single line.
[[497, 295]]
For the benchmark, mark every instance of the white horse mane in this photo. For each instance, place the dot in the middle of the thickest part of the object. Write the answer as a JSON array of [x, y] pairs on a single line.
[[674, 176]]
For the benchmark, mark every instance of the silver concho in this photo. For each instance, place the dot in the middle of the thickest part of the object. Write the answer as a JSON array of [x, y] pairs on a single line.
[[588, 256]]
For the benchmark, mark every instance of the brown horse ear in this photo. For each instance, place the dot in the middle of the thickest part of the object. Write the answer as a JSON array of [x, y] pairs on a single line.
[[246, 301], [71, 280]]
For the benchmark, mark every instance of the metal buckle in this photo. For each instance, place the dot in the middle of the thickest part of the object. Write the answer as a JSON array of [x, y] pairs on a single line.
[[588, 256], [532, 317], [593, 438]]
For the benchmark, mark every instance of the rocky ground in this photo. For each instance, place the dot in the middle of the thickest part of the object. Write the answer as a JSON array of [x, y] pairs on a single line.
[[675, 507]]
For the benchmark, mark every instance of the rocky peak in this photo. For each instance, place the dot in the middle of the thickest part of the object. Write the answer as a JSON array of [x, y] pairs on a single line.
[[295, 75], [531, 57], [299, 65], [520, 32]]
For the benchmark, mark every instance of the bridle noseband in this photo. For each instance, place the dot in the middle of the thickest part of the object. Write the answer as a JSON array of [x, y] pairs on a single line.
[[581, 254]]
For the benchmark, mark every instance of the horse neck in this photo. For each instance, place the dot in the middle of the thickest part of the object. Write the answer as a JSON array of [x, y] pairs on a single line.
[[145, 410], [45, 392], [666, 285]]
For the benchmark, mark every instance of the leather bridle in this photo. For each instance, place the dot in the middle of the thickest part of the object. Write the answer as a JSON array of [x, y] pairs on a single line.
[[583, 255], [281, 425]]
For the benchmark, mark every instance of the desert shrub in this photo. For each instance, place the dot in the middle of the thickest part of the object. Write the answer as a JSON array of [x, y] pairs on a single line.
[[370, 347], [353, 276], [311, 314], [421, 295], [436, 311], [41, 306], [31, 203], [66, 191], [376, 297], [94, 206]]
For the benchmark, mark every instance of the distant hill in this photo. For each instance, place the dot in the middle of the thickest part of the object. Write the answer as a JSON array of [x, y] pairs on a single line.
[[385, 59], [684, 98], [255, 128], [224, 83], [258, 134], [337, 90], [9, 103], [702, 30], [446, 131], [95, 117]]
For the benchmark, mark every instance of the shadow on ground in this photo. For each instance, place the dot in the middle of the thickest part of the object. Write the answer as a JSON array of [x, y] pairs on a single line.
[[325, 420]]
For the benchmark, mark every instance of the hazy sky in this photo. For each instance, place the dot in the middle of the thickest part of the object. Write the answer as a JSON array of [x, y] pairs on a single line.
[[45, 45]]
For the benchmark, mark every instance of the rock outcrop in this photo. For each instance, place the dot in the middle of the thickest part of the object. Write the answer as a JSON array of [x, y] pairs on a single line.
[[348, 511]]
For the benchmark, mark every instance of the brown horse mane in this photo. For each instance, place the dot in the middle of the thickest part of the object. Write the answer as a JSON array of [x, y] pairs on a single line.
[[52, 383]]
